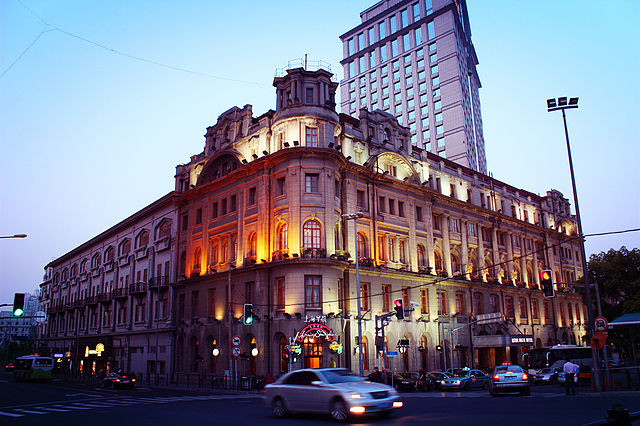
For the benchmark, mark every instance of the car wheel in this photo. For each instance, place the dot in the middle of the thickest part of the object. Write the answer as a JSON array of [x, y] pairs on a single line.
[[278, 408], [338, 410]]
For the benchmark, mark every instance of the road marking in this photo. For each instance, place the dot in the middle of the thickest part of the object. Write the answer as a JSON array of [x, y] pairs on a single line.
[[74, 407], [3, 413], [22, 410], [60, 410]]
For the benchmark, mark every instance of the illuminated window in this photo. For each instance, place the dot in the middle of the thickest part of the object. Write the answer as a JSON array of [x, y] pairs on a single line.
[[508, 307], [477, 303], [362, 246], [442, 303], [311, 182], [424, 297], [460, 305], [311, 234], [421, 257], [365, 293], [283, 237], [312, 137], [437, 261], [252, 245], [280, 293], [386, 297], [405, 296], [524, 316]]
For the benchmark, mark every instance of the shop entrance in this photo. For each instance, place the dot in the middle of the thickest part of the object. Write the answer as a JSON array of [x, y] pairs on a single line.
[[312, 352]]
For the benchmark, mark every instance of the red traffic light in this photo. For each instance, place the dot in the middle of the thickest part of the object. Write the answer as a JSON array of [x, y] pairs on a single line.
[[545, 275], [398, 303]]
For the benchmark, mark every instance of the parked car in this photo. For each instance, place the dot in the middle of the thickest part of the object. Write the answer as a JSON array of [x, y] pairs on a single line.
[[405, 382], [509, 378], [562, 379], [335, 391], [547, 376], [119, 380], [437, 377], [466, 379]]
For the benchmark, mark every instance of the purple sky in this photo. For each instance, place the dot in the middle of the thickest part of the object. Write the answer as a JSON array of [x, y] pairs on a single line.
[[88, 136]]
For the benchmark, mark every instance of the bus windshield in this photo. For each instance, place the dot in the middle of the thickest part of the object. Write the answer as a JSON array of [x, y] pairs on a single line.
[[546, 357]]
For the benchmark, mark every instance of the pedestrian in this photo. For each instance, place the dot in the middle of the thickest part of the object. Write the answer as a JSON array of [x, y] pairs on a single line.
[[422, 380], [570, 370]]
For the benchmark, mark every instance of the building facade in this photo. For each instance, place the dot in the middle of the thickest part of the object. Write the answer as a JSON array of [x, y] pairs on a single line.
[[414, 59], [258, 218]]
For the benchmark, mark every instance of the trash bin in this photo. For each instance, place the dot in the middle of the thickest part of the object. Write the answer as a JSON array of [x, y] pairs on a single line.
[[246, 383]]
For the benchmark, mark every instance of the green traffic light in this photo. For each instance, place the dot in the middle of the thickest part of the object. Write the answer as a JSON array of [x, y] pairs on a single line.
[[248, 320], [18, 312]]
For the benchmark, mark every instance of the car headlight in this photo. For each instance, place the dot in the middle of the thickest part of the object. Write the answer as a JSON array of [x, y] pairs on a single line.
[[355, 395], [457, 382], [442, 382]]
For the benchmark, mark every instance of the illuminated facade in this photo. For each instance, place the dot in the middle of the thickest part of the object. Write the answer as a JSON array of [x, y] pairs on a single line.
[[415, 60], [257, 218]]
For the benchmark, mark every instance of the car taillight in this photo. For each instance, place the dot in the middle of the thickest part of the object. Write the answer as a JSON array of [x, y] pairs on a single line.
[[117, 380], [133, 380], [525, 377], [496, 378]]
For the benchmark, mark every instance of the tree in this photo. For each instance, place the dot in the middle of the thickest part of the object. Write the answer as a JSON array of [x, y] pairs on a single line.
[[617, 273]]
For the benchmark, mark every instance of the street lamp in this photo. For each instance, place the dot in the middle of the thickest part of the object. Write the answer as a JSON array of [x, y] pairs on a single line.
[[14, 236], [562, 104], [354, 217]]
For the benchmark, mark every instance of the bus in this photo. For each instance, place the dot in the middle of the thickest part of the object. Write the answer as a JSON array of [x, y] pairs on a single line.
[[536, 359], [33, 367]]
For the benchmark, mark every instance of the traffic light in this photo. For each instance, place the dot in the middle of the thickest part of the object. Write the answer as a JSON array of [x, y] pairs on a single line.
[[439, 348], [399, 308], [18, 305], [546, 282], [248, 314]]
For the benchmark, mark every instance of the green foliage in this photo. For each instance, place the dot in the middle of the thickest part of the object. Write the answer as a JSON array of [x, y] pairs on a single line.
[[617, 273]]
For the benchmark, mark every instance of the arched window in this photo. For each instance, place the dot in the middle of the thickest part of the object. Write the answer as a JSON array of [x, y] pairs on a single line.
[[421, 258], [143, 239], [311, 234], [95, 261], [197, 260], [164, 229], [65, 274], [283, 238], [125, 247], [455, 265], [74, 270], [252, 246], [109, 254], [438, 261], [224, 250], [83, 265], [362, 246]]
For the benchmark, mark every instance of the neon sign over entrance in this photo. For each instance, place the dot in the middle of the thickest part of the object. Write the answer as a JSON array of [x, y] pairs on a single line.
[[316, 330]]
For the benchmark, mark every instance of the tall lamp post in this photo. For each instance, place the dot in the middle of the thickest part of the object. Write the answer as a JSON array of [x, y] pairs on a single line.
[[354, 217], [14, 236], [562, 104]]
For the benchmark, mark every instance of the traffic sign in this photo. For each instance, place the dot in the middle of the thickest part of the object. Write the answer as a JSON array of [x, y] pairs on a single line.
[[236, 351], [236, 340], [601, 324], [392, 353], [40, 316]]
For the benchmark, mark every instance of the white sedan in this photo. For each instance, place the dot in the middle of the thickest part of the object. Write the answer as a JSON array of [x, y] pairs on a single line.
[[335, 391]]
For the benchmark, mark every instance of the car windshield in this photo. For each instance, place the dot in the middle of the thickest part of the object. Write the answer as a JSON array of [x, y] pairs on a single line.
[[513, 368], [461, 373], [341, 376]]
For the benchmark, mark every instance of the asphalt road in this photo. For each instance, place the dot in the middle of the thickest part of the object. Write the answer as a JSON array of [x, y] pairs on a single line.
[[59, 403]]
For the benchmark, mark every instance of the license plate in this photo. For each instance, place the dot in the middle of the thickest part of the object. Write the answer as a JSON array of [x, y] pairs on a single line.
[[511, 378]]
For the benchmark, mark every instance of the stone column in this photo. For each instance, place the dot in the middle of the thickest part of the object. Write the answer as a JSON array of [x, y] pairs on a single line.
[[480, 259], [509, 256], [446, 248], [465, 248]]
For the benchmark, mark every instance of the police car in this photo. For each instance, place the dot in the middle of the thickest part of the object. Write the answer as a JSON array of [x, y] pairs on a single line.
[[509, 378]]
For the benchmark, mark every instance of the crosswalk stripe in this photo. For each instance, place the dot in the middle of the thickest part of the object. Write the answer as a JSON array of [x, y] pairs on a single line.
[[3, 413], [22, 410], [73, 407]]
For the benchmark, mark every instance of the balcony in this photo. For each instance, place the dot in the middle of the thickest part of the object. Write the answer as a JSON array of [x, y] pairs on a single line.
[[92, 300], [280, 255], [108, 266], [162, 281], [314, 253], [162, 244], [137, 288], [120, 292], [104, 297], [141, 253]]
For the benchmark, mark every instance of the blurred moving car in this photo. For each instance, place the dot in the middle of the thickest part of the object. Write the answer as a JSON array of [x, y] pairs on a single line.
[[335, 391], [547, 376], [119, 380], [9, 367], [437, 377], [466, 379], [509, 378]]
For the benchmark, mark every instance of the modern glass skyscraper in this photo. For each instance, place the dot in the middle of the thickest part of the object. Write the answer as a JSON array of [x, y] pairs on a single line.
[[414, 59]]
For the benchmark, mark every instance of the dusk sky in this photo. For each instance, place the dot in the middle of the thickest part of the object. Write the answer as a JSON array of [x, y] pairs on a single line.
[[100, 100]]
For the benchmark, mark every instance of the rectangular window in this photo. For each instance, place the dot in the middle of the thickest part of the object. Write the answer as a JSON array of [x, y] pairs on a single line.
[[311, 182], [232, 207], [460, 307], [214, 210], [524, 316], [405, 18], [312, 291], [382, 204], [372, 37], [508, 307], [309, 93], [424, 297], [198, 216], [312, 137], [252, 196], [406, 44], [401, 208], [534, 310], [419, 216], [392, 206], [436, 222], [477, 304], [361, 64], [431, 30], [211, 302], [280, 186], [280, 293], [185, 222], [360, 198], [442, 303], [352, 69], [382, 30], [223, 207], [455, 225], [383, 53], [386, 297], [393, 24], [418, 33], [401, 252], [195, 296], [381, 247], [365, 293], [493, 303], [394, 48], [351, 47], [360, 41], [547, 310], [372, 59], [405, 296], [391, 249]]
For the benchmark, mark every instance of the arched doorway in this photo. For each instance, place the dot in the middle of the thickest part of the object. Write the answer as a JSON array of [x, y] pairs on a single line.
[[424, 354], [283, 355]]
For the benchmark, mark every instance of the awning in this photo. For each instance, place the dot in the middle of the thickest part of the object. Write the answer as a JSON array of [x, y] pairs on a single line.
[[626, 319]]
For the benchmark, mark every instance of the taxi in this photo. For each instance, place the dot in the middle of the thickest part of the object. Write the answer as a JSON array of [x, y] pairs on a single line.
[[509, 378], [465, 379]]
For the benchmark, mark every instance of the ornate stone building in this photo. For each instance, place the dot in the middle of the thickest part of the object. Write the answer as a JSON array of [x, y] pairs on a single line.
[[258, 218]]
